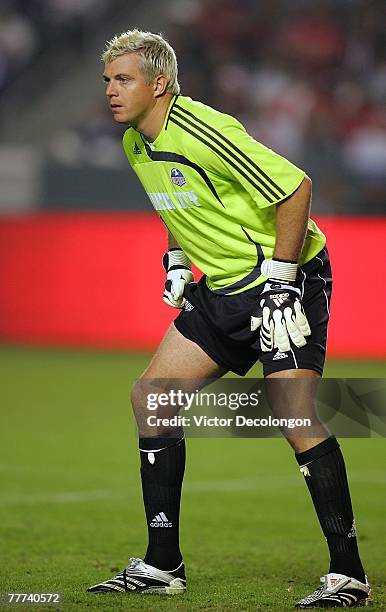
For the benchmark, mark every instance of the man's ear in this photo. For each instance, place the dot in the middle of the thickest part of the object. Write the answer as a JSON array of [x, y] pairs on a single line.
[[160, 85]]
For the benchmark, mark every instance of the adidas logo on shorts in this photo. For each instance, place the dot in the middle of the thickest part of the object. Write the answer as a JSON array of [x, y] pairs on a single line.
[[279, 355], [161, 520], [353, 531], [188, 306]]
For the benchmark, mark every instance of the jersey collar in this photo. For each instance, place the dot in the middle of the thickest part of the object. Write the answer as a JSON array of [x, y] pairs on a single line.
[[153, 144]]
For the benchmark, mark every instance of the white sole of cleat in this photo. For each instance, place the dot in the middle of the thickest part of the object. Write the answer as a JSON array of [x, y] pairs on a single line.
[[176, 587], [161, 591]]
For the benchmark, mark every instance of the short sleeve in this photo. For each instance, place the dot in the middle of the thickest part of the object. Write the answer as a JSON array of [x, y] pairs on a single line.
[[268, 177]]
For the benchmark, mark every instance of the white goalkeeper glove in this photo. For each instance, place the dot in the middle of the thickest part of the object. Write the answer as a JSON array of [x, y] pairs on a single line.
[[279, 313], [179, 274]]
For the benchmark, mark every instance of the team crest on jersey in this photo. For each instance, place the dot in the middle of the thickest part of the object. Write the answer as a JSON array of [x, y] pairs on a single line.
[[177, 177]]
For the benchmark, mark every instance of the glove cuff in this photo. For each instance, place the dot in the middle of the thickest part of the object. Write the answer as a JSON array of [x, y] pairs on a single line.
[[279, 270], [276, 285], [175, 258]]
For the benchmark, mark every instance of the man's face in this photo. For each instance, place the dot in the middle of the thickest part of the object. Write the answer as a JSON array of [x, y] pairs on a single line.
[[129, 95]]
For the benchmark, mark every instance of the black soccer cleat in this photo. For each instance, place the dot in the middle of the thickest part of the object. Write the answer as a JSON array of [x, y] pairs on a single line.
[[138, 577], [338, 591]]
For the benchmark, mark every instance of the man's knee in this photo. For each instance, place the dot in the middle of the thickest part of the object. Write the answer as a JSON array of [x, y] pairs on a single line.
[[138, 398], [138, 395], [151, 410]]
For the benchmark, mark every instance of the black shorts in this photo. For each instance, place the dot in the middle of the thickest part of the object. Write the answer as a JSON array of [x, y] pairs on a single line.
[[220, 324]]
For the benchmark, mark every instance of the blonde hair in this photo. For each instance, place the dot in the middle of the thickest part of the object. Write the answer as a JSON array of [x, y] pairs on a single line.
[[157, 56]]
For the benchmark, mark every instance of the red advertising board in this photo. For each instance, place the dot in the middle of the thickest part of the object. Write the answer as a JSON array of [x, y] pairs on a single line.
[[96, 280]]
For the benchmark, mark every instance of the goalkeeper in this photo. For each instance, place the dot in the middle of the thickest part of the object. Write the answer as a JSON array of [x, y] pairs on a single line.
[[240, 212]]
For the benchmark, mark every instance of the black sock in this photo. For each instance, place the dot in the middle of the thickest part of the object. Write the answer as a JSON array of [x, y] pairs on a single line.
[[325, 474], [162, 472]]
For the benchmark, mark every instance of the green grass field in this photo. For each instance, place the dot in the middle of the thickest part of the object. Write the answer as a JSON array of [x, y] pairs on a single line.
[[71, 510]]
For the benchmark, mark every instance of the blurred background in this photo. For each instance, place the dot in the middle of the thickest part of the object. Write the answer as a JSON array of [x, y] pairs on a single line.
[[307, 79], [81, 282]]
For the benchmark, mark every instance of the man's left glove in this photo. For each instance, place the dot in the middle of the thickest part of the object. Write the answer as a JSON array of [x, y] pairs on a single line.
[[179, 274], [279, 312]]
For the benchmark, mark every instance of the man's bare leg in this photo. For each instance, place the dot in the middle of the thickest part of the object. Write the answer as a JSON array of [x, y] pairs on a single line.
[[292, 394], [177, 362], [322, 465]]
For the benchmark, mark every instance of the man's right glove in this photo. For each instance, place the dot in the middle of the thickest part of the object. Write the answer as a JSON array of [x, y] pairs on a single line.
[[279, 311], [179, 274]]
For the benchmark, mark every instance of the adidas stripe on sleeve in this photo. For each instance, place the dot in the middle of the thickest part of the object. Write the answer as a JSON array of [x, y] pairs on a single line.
[[268, 177]]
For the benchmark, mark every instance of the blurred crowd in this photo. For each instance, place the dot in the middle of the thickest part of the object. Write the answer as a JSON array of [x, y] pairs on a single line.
[[306, 78], [30, 27]]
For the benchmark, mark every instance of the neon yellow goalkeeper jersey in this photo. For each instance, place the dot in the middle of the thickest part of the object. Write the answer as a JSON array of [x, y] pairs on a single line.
[[216, 189]]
